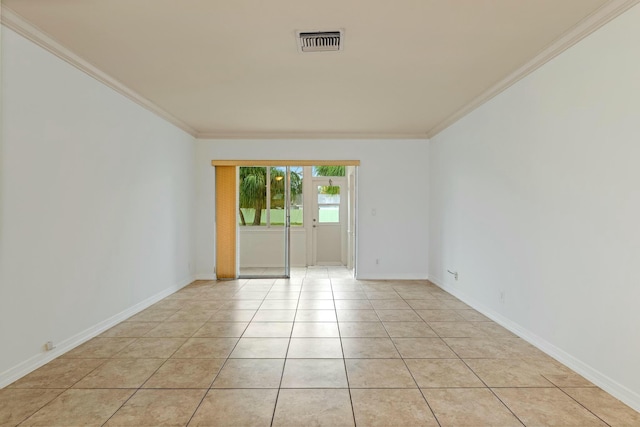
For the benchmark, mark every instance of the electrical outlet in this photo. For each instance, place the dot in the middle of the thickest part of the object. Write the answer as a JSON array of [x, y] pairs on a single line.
[[502, 295]]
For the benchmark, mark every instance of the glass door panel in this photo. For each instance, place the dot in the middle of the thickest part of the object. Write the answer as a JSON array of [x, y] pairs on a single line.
[[328, 224], [263, 218]]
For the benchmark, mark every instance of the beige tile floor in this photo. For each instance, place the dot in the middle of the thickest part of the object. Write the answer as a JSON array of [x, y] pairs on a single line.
[[317, 349]]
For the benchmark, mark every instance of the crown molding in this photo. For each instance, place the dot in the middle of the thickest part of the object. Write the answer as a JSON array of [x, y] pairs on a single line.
[[17, 23], [582, 29], [308, 135]]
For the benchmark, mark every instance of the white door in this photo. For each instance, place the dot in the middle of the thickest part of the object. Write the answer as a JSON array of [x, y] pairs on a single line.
[[329, 221]]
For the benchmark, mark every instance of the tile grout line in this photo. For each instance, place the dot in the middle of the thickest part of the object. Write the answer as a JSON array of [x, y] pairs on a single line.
[[154, 372], [284, 362], [344, 360], [225, 361], [486, 385], [575, 400], [105, 361], [407, 366], [474, 373]]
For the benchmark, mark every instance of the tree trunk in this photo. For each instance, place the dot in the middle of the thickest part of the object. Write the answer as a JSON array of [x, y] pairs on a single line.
[[257, 217]]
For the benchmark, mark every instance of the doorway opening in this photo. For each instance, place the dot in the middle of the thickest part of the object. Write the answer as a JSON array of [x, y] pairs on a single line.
[[295, 216]]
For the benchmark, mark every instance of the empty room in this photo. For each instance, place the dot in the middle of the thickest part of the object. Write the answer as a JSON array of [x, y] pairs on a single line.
[[293, 214]]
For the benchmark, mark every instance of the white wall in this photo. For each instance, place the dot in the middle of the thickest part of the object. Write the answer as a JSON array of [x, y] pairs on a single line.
[[96, 210], [392, 179], [537, 194]]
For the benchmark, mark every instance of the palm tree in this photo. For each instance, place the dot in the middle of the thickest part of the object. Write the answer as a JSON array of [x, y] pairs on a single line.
[[277, 187], [330, 170], [253, 189]]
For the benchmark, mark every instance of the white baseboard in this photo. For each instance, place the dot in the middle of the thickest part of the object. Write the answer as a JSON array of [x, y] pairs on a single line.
[[205, 276], [12, 374], [606, 383]]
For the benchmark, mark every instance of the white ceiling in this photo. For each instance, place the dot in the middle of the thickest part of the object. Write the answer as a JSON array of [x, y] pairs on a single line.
[[231, 68]]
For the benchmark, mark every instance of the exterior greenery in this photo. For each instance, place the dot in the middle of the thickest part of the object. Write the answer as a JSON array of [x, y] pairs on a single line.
[[253, 190], [329, 171]]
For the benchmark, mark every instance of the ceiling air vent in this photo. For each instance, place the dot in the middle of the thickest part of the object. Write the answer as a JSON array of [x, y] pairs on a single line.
[[320, 41]]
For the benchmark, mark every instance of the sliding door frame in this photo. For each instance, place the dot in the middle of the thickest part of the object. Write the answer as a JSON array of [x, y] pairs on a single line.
[[226, 222], [287, 229]]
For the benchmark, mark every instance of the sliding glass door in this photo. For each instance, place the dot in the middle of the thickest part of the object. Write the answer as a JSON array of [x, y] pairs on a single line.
[[264, 225], [264, 219]]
